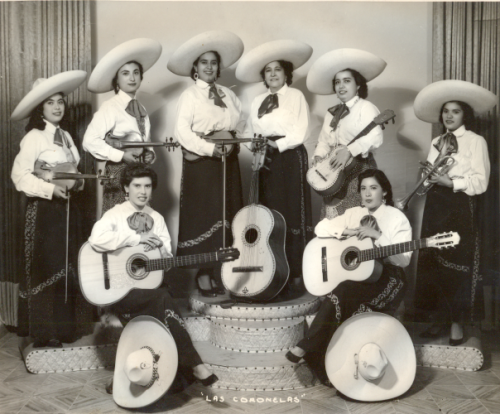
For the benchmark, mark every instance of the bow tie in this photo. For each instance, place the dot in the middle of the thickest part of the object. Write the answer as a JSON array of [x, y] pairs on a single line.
[[369, 221], [140, 222], [213, 94], [338, 111], [447, 144], [268, 105], [61, 141], [135, 109]]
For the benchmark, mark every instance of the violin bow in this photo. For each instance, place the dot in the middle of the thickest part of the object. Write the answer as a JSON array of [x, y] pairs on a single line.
[[67, 244]]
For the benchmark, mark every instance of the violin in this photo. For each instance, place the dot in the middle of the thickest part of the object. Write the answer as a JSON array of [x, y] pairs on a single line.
[[133, 143]]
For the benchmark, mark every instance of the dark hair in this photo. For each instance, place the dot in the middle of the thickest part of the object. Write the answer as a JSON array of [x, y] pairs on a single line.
[[382, 179], [114, 82], [287, 67], [358, 78], [469, 119], [36, 117], [217, 56], [132, 171]]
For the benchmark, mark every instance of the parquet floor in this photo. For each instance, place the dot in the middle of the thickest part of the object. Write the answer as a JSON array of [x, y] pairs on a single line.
[[434, 391]]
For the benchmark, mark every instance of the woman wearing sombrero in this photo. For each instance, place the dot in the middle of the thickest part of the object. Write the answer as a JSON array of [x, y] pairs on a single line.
[[446, 279], [206, 110], [123, 116], [44, 312], [346, 72], [282, 111]]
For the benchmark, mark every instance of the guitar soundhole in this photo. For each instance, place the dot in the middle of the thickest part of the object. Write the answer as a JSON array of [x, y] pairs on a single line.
[[137, 267], [349, 258], [251, 235]]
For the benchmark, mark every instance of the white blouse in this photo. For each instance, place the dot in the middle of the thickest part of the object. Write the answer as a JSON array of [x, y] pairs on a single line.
[[198, 115], [291, 119], [112, 116], [39, 145], [361, 113], [393, 223], [471, 171]]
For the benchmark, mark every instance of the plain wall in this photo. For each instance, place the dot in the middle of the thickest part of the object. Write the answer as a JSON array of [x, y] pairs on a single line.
[[400, 33]]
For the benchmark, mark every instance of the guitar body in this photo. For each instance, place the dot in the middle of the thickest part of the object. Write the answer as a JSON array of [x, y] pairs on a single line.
[[262, 269], [105, 278], [327, 262]]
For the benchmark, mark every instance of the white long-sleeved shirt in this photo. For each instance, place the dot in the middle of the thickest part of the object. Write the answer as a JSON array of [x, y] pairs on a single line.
[[39, 145], [471, 171], [112, 231], [197, 115], [393, 223], [112, 116], [290, 119], [361, 113]]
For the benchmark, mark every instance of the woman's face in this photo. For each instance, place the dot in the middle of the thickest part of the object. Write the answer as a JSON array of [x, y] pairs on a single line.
[[139, 191], [207, 67], [372, 195], [453, 116], [129, 78], [53, 109], [345, 86], [274, 76]]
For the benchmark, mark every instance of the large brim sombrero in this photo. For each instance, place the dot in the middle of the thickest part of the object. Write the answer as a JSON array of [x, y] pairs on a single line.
[[250, 65], [142, 50], [227, 44], [65, 82], [320, 76], [143, 336], [428, 103], [371, 330]]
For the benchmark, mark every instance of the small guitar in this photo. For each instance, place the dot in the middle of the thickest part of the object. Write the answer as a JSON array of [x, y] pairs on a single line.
[[327, 262], [327, 181], [105, 278]]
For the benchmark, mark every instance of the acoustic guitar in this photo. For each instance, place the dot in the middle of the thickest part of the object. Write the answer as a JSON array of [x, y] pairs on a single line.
[[105, 278], [327, 181], [327, 262], [259, 234]]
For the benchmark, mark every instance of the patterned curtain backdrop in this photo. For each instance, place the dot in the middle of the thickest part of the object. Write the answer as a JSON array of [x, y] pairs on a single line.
[[466, 47], [38, 39]]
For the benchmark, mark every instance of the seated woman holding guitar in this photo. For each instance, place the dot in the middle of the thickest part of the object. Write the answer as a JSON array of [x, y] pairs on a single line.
[[122, 117], [346, 72], [132, 223], [51, 308], [386, 225]]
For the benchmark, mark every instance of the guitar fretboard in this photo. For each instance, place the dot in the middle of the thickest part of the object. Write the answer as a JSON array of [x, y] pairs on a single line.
[[169, 262], [386, 251]]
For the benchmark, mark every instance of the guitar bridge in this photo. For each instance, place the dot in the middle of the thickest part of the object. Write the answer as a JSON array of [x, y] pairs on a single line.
[[245, 269], [324, 266], [321, 175]]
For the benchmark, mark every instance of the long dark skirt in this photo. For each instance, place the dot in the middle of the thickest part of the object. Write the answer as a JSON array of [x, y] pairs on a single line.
[[43, 312], [346, 300], [113, 193], [447, 279], [284, 188]]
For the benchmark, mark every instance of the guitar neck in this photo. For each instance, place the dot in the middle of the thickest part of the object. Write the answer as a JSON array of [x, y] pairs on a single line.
[[365, 131], [169, 262], [391, 250], [253, 198]]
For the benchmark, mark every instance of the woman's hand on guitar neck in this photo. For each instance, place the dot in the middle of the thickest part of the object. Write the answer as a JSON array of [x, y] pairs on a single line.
[[339, 161], [151, 241]]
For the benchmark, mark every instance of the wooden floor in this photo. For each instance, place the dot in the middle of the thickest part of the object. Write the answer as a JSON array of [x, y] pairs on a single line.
[[434, 391]]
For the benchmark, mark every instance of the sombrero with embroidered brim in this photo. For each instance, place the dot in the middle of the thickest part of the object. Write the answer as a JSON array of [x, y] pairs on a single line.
[[250, 65], [146, 363], [142, 50], [429, 101], [227, 44], [371, 357], [322, 72], [43, 88]]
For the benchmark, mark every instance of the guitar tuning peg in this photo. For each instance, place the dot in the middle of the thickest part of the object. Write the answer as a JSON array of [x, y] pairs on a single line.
[[382, 126], [266, 167]]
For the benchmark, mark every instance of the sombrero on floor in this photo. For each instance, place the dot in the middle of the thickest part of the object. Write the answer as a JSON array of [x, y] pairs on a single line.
[[65, 82], [320, 76], [250, 65], [142, 50]]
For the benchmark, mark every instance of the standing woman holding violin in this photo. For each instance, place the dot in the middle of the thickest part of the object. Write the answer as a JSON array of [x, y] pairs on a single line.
[[207, 110], [447, 279], [123, 116], [51, 308], [346, 72], [282, 111]]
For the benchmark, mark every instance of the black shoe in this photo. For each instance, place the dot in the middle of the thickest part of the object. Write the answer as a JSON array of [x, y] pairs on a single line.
[[292, 357], [109, 386], [456, 342], [212, 379], [208, 293]]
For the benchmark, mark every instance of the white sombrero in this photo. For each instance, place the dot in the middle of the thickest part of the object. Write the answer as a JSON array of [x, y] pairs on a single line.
[[320, 76], [65, 82], [253, 62], [139, 378], [227, 44], [371, 358], [428, 103], [142, 50]]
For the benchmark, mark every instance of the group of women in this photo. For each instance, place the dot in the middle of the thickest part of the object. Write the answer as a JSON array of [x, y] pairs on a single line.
[[206, 111]]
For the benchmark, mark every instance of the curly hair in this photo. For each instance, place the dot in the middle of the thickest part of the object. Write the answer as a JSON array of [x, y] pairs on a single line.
[[36, 120], [469, 119], [195, 63], [358, 78], [114, 82], [132, 171], [287, 67], [382, 179]]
